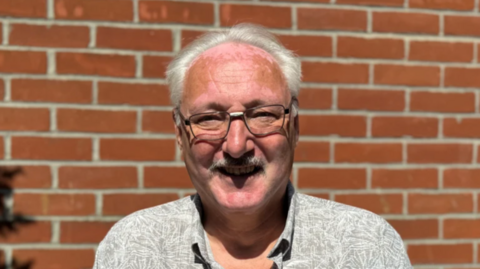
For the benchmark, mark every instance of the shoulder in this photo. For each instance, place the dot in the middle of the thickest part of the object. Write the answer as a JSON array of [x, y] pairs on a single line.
[[145, 233], [154, 220], [349, 231], [312, 209]]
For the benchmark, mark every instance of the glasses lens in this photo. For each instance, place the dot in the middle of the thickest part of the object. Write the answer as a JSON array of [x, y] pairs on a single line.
[[267, 119], [209, 126]]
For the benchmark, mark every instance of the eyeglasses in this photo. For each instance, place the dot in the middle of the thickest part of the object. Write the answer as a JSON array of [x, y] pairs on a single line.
[[260, 121]]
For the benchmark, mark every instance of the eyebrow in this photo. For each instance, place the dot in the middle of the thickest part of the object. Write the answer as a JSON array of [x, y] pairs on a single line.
[[216, 106]]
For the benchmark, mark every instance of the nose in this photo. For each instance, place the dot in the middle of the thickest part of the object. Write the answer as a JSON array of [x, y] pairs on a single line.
[[238, 140]]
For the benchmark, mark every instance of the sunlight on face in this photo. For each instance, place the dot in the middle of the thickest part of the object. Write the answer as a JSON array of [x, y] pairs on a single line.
[[233, 77]]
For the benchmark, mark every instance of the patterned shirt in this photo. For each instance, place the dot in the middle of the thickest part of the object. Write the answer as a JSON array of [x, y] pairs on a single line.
[[318, 234]]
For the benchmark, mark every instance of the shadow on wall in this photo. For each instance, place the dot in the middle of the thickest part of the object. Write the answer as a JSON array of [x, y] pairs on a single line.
[[10, 223]]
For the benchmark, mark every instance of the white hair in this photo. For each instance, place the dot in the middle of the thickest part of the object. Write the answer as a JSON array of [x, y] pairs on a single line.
[[246, 33]]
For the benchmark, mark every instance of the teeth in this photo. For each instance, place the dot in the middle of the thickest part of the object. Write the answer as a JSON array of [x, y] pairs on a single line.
[[239, 171]]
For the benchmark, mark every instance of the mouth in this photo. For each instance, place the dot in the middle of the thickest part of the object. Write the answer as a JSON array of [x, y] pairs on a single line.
[[242, 171]]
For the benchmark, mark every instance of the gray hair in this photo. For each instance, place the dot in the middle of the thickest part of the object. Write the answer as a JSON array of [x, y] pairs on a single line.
[[246, 33]]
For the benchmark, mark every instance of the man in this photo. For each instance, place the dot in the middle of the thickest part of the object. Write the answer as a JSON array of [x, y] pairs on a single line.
[[236, 123]]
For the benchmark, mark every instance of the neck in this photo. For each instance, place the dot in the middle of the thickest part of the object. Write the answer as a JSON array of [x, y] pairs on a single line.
[[246, 235]]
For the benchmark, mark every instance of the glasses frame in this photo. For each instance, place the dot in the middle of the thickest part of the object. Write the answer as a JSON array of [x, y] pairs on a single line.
[[237, 115]]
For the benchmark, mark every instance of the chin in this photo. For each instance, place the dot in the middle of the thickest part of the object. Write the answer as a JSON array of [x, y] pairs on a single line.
[[242, 201]]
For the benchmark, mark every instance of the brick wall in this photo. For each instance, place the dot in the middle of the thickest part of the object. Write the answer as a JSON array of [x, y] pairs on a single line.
[[389, 116]]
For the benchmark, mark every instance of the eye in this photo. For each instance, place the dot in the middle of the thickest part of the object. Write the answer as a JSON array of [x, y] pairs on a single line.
[[263, 114], [206, 119]]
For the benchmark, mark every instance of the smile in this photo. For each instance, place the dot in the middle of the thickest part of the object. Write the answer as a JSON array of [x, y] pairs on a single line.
[[239, 171]]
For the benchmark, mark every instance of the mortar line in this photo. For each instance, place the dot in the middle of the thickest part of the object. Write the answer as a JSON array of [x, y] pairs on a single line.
[[216, 14], [294, 20], [475, 52], [138, 65], [98, 204], [177, 40], [54, 169], [7, 140], [53, 119], [135, 11], [369, 21], [93, 36], [50, 10], [8, 89], [369, 177], [334, 46], [96, 148], [51, 64], [55, 231], [441, 23], [141, 175], [5, 31], [94, 92]]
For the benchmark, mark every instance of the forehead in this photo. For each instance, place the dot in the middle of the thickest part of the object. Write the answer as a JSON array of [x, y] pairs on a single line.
[[233, 71]]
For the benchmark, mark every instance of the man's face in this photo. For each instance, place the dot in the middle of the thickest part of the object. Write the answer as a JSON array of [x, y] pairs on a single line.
[[234, 77]]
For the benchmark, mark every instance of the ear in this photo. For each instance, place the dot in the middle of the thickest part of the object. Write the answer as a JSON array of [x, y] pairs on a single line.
[[178, 130], [296, 126]]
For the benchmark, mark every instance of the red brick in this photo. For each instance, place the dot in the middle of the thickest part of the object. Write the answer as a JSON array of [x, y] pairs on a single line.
[[461, 228], [23, 8], [189, 35], [33, 232], [396, 3], [379, 48], [308, 151], [331, 19], [437, 254], [300, 1], [402, 22], [463, 5], [374, 100], [49, 35], [407, 75], [463, 127], [332, 178], [440, 203], [133, 94], [27, 176], [56, 91], [416, 229], [97, 177], [315, 98], [45, 204], [405, 178], [32, 62], [154, 177], [441, 51], [98, 121], [342, 125], [176, 12], [24, 119], [56, 258], [461, 178], [388, 126], [439, 153], [95, 64], [304, 45], [334, 72], [155, 66], [51, 148], [462, 25], [368, 152], [2, 148], [462, 77], [126, 203], [134, 39], [98, 10], [268, 16], [442, 101], [137, 149], [2, 91], [83, 232], [158, 122], [377, 203]]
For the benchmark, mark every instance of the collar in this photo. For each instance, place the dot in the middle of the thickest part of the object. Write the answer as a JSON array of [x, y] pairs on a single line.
[[279, 253]]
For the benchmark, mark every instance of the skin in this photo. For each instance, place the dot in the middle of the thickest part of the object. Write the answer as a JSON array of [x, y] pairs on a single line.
[[243, 216]]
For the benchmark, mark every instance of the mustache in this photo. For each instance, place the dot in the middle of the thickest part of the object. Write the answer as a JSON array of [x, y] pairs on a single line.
[[242, 161]]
